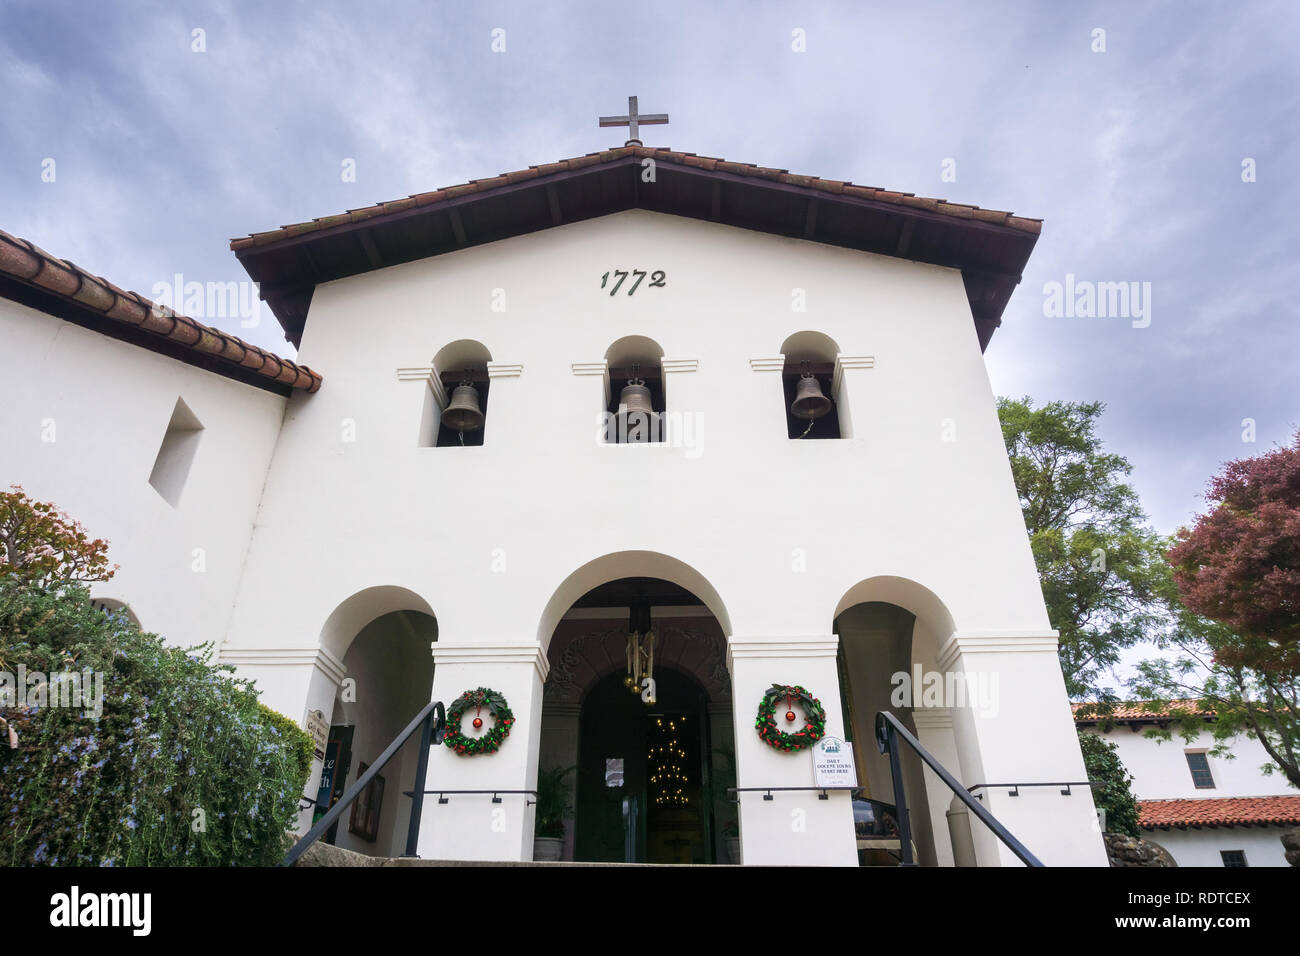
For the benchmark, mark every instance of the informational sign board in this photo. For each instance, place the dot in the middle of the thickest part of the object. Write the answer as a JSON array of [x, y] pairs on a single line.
[[319, 729], [833, 763]]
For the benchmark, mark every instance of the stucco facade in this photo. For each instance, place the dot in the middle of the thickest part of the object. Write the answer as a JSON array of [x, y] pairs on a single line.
[[321, 513]]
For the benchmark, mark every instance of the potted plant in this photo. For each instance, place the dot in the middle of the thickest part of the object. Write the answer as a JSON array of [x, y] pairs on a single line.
[[552, 804]]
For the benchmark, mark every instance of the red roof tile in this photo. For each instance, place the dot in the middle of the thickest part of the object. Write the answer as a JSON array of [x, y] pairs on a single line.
[[1219, 812], [956, 210], [26, 263], [1136, 710]]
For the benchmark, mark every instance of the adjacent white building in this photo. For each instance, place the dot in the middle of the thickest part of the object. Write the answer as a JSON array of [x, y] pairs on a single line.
[[356, 557], [1205, 809]]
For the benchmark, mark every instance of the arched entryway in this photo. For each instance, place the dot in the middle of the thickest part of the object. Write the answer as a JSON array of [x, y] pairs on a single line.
[[649, 776], [889, 630], [382, 637]]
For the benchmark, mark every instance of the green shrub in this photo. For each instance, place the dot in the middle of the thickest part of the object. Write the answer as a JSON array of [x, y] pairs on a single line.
[[1101, 760], [183, 766]]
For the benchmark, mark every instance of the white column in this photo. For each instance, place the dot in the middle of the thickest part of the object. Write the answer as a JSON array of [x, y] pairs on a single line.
[[293, 681], [934, 731], [471, 826], [796, 827], [1022, 732]]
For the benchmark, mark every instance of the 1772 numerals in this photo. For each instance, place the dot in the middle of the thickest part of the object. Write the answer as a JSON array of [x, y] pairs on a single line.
[[657, 278]]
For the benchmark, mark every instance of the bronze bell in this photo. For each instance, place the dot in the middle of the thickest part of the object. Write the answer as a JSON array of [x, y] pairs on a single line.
[[463, 413], [809, 402], [637, 419]]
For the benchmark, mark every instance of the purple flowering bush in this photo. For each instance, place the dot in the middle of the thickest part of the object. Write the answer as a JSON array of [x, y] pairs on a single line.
[[183, 766]]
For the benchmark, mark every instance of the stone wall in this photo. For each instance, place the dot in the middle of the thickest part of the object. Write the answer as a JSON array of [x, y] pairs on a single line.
[[1127, 851]]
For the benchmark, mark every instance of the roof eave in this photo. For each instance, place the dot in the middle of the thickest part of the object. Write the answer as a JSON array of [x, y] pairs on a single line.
[[289, 263]]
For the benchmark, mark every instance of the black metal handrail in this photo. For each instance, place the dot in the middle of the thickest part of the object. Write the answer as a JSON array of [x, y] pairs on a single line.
[[496, 798], [432, 724], [1015, 787], [889, 730], [768, 791]]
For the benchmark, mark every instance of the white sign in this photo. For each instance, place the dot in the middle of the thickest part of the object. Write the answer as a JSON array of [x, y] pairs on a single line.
[[613, 771], [319, 730], [833, 763]]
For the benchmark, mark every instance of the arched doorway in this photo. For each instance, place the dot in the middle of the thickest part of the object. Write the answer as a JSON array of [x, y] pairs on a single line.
[[649, 777], [889, 632], [382, 637], [649, 762]]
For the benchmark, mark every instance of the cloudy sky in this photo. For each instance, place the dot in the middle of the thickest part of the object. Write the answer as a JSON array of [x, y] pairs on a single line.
[[1132, 154]]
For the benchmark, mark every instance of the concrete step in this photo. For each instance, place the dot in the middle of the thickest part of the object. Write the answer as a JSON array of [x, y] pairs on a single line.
[[322, 854]]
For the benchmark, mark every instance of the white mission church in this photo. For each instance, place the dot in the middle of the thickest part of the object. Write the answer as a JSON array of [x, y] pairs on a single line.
[[636, 418]]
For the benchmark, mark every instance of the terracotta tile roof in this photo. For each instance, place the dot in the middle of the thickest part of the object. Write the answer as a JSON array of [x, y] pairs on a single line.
[[69, 284], [1136, 710], [812, 183], [1219, 812]]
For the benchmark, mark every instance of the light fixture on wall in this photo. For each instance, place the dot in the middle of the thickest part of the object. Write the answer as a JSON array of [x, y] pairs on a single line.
[[640, 654], [809, 402], [463, 413]]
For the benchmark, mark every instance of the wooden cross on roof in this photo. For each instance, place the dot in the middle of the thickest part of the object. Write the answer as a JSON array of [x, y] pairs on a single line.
[[634, 121]]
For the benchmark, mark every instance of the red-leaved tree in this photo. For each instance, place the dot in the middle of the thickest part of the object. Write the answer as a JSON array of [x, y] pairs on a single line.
[[1239, 564], [39, 544]]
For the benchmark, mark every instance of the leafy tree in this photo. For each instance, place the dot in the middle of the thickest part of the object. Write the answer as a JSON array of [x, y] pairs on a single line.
[[40, 544], [1233, 594], [1239, 564], [1101, 760], [1098, 561], [1191, 677]]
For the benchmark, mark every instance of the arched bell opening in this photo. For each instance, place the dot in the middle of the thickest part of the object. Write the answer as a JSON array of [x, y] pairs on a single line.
[[383, 638], [811, 390], [637, 397], [456, 407], [638, 675]]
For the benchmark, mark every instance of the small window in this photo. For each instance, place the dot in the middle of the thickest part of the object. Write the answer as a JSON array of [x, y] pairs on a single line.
[[1233, 857], [812, 399], [172, 466], [636, 396], [1199, 764]]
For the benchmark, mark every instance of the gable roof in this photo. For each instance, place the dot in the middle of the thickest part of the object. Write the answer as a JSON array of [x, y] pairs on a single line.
[[1218, 812], [988, 246], [31, 276]]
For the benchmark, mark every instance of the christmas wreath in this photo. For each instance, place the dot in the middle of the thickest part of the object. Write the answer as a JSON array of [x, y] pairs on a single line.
[[490, 742], [814, 726]]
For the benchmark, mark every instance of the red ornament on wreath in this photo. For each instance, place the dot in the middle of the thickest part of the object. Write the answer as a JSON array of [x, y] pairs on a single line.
[[491, 741], [814, 727]]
